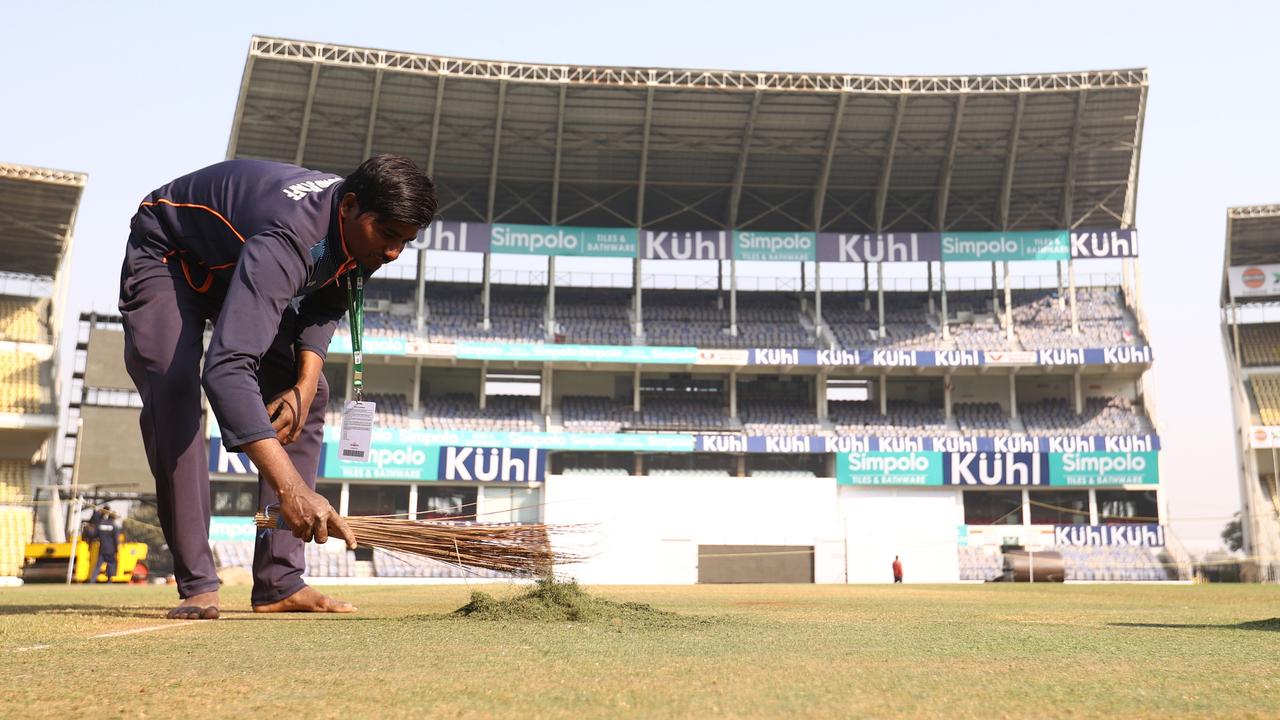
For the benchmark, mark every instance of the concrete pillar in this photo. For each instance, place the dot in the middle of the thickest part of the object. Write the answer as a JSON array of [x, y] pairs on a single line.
[[635, 390], [946, 394], [484, 292], [1078, 388], [733, 394], [880, 294], [1008, 305], [551, 294], [1071, 298], [420, 299], [942, 298], [1013, 394], [884, 393], [413, 501], [733, 298], [417, 385]]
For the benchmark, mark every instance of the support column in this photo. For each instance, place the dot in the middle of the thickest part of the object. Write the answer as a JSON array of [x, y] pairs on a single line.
[[551, 296], [995, 291], [484, 291], [821, 399], [928, 269], [1061, 299], [1008, 305], [1093, 507], [880, 295], [1013, 393], [635, 390], [1026, 506], [344, 499], [548, 389], [638, 308], [884, 393], [1078, 392], [817, 299], [733, 298], [804, 285], [866, 286], [484, 396], [420, 293], [942, 298], [1071, 298], [733, 394], [947, 381], [413, 501], [417, 385]]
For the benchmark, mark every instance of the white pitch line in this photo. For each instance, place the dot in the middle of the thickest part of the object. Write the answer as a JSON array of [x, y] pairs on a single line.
[[32, 647], [134, 631]]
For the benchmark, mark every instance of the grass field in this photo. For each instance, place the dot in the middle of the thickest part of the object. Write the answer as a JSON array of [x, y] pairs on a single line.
[[733, 651]]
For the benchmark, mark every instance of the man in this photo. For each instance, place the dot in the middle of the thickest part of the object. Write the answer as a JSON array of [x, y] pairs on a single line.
[[267, 251], [897, 570], [104, 527]]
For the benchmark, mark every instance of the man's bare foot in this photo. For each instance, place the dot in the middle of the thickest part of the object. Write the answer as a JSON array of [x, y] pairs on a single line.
[[197, 607], [308, 599]]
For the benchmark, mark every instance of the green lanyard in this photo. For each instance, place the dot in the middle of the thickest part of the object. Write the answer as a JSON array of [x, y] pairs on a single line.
[[355, 307]]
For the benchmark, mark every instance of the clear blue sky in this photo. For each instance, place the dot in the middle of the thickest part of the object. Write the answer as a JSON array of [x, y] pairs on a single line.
[[137, 93]]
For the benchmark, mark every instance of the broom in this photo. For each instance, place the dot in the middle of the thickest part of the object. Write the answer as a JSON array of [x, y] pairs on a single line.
[[522, 550]]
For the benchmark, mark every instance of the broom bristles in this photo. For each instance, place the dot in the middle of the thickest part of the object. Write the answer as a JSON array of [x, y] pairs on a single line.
[[524, 550]]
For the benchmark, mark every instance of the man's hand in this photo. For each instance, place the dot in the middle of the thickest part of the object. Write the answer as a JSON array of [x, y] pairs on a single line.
[[311, 517], [288, 410]]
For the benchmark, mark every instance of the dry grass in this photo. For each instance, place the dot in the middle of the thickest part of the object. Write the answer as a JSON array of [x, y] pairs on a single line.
[[701, 651]]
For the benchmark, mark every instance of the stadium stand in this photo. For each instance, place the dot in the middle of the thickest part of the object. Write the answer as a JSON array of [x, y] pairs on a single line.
[[459, 411], [387, 563], [904, 418], [321, 561], [1266, 392], [1101, 416], [1121, 564], [593, 316], [671, 414], [779, 417], [1260, 344], [981, 419], [15, 482], [21, 386], [595, 414], [15, 530], [21, 321], [1042, 322]]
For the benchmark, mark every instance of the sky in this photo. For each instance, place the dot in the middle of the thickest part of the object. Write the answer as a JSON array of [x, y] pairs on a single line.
[[135, 94]]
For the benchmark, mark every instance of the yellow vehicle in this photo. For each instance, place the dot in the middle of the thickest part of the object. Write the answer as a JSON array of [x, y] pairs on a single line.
[[47, 562]]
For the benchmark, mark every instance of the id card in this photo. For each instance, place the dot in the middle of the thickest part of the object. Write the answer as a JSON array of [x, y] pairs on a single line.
[[356, 434]]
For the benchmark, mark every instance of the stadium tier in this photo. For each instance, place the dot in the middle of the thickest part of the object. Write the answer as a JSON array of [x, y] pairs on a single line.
[[38, 208], [1251, 338], [844, 371]]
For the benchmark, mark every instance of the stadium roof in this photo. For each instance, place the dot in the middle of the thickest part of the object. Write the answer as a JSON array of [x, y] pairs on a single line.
[[37, 214], [1253, 238], [668, 148]]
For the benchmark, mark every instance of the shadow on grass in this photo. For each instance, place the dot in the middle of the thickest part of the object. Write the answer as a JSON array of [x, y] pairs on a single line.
[[1271, 625], [102, 610]]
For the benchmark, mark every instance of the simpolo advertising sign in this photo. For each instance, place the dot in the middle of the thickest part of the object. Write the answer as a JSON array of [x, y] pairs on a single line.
[[1104, 468], [889, 468], [584, 241]]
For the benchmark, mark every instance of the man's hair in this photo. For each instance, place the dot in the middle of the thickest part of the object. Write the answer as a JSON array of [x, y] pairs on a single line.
[[393, 187]]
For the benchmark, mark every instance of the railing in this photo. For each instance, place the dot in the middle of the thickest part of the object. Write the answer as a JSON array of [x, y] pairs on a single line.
[[746, 283], [32, 286]]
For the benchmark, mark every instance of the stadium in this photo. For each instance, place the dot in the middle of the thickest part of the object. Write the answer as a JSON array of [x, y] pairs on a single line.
[[750, 339], [907, 310], [1249, 336]]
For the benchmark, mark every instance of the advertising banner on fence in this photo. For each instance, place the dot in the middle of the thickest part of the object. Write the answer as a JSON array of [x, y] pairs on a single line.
[[788, 246], [1264, 437], [454, 236], [1104, 468], [605, 442], [685, 245], [889, 468], [582, 241], [887, 247], [1011, 246], [223, 462], [387, 461], [504, 465], [231, 528], [1087, 244], [709, 244], [371, 346], [1146, 535], [1254, 280]]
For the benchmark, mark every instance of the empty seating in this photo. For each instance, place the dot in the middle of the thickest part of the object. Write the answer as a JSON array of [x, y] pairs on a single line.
[[702, 319], [15, 482], [981, 418], [980, 563], [1124, 564], [1042, 321], [593, 316], [21, 389], [694, 414], [595, 414], [459, 411], [15, 533], [1266, 391], [322, 560], [1260, 344], [1101, 416], [903, 418], [21, 321], [779, 417]]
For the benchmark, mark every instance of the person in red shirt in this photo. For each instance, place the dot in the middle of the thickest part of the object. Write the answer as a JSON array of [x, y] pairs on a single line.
[[897, 569]]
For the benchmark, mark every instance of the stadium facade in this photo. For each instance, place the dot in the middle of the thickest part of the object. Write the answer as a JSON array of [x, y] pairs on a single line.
[[741, 326], [1251, 338], [37, 217]]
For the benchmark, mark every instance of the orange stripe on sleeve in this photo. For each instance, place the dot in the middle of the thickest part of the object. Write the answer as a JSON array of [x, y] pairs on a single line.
[[206, 208]]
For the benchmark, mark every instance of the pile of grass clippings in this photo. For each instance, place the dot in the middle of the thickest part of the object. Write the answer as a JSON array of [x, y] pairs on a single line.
[[553, 601]]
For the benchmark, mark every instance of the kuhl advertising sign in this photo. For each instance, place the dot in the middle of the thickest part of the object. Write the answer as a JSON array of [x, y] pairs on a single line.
[[713, 244], [486, 465], [1144, 535]]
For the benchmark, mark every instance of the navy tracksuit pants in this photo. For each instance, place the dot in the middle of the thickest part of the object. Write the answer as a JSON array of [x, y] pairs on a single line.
[[164, 321]]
